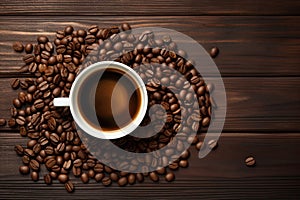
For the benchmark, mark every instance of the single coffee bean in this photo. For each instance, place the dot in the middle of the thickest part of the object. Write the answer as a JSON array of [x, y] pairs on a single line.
[[214, 52], [34, 165], [18, 46], [250, 161], [106, 181], [84, 178], [125, 27], [154, 177], [42, 39], [48, 179], [140, 177], [205, 121], [131, 179], [122, 181], [183, 163], [99, 176], [24, 169], [28, 58], [63, 178], [15, 83], [199, 145], [11, 122], [76, 171], [2, 122], [19, 150], [20, 120], [35, 176], [212, 144], [69, 186], [169, 176], [68, 30], [50, 163], [78, 163], [28, 48]]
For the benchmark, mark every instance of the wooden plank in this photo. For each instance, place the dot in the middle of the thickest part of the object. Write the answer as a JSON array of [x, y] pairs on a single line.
[[220, 175], [155, 7], [253, 104], [249, 46]]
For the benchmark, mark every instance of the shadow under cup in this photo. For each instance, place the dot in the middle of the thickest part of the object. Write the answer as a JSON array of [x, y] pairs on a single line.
[[110, 100]]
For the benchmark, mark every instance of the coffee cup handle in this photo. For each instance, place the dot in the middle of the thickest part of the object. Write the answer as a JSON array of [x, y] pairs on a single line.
[[61, 101]]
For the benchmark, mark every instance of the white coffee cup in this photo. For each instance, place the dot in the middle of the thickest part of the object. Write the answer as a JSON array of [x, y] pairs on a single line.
[[80, 120]]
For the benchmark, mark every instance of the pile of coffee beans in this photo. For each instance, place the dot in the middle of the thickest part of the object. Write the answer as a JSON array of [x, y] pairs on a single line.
[[53, 138]]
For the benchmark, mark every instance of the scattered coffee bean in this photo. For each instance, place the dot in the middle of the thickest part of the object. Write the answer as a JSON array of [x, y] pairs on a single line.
[[15, 83], [69, 186], [84, 178], [169, 176], [18, 47], [153, 176], [106, 181], [250, 161], [63, 178], [2, 122], [48, 179], [122, 181], [214, 52], [24, 169], [28, 48], [35, 176]]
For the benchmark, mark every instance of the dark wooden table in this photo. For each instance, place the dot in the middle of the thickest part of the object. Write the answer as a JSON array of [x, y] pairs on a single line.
[[260, 63]]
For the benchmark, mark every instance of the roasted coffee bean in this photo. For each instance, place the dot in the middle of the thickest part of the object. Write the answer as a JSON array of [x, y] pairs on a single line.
[[29, 152], [25, 159], [154, 177], [68, 30], [20, 120], [2, 122], [18, 46], [42, 39], [84, 178], [199, 145], [39, 104], [24, 169], [173, 166], [205, 121], [140, 177], [15, 83], [63, 178], [48, 179], [214, 52], [99, 176], [89, 39], [23, 131], [31, 143], [212, 144], [35, 176], [169, 176], [122, 181], [28, 48], [28, 58], [69, 186], [106, 181], [250, 161], [34, 165], [50, 163], [183, 163], [19, 150]]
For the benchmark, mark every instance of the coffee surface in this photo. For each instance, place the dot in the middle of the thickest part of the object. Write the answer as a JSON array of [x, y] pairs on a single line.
[[109, 99]]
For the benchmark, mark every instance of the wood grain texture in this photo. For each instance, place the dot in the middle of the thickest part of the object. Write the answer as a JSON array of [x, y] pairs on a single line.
[[253, 104], [249, 46], [154, 7], [220, 175]]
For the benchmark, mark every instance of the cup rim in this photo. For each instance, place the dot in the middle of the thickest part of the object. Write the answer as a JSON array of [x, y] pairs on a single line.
[[79, 119]]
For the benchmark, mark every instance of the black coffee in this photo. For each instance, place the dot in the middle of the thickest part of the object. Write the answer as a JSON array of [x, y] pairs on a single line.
[[109, 99]]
